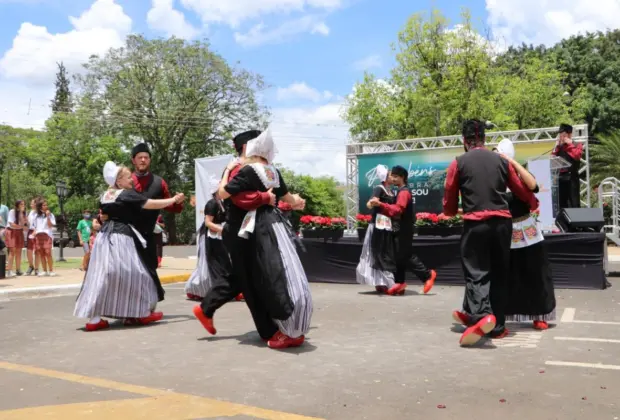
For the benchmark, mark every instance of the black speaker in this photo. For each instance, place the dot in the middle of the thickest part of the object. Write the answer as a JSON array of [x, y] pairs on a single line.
[[580, 220]]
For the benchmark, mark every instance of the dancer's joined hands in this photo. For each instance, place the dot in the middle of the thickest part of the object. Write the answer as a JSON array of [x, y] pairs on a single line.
[[179, 198], [374, 202]]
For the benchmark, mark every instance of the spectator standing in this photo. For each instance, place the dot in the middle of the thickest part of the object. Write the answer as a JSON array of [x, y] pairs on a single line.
[[17, 224], [43, 223], [84, 228]]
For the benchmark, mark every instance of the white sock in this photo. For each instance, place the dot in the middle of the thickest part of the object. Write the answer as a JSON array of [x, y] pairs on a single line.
[[95, 320]]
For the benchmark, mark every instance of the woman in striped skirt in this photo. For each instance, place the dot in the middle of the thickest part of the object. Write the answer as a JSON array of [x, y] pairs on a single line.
[[213, 259], [118, 283], [274, 279], [530, 289], [377, 262]]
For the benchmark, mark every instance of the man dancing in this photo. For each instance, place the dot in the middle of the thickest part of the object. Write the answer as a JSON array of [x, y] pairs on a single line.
[[569, 177], [482, 177], [227, 288], [152, 187], [403, 219]]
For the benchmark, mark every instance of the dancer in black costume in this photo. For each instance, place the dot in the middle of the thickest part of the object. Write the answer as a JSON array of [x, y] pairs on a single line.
[[531, 291], [377, 261]]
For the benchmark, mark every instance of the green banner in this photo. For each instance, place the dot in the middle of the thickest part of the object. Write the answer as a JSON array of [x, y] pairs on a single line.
[[427, 172]]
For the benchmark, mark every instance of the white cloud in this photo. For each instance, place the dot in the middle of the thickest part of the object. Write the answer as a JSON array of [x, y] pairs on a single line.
[[35, 51], [311, 140], [548, 21], [235, 12], [367, 63], [259, 34], [163, 17], [302, 91]]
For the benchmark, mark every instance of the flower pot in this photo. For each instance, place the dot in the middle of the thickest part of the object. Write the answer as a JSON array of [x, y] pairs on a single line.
[[309, 233], [361, 234]]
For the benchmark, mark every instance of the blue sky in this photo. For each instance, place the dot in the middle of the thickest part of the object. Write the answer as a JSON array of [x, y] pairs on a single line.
[[311, 52]]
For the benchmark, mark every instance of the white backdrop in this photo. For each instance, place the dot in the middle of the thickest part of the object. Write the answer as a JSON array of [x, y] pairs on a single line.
[[207, 170], [541, 169]]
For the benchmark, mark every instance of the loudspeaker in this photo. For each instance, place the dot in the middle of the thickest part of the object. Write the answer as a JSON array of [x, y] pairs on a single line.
[[580, 220]]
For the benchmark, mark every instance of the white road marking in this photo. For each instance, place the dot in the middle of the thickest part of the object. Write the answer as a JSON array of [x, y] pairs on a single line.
[[594, 340], [525, 339], [568, 315], [583, 365], [597, 322]]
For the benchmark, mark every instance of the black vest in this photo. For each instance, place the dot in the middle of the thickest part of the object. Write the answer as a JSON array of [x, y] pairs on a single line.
[[482, 180], [154, 190]]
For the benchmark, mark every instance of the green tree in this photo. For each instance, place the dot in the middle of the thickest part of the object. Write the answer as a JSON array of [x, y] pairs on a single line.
[[178, 97], [530, 95], [605, 158], [62, 98]]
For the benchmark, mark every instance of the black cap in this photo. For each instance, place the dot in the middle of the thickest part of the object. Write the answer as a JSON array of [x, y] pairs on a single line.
[[400, 171], [566, 128], [474, 130], [240, 139], [140, 148]]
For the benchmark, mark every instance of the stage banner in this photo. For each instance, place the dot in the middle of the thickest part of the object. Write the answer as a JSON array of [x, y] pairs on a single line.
[[427, 171], [541, 169], [207, 170]]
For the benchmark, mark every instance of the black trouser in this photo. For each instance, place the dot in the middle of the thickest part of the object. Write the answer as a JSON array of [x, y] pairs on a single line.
[[226, 287], [243, 257], [485, 256], [406, 260], [150, 259], [568, 189]]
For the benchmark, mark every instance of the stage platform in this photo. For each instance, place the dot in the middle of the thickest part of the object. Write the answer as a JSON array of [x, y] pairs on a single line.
[[577, 259]]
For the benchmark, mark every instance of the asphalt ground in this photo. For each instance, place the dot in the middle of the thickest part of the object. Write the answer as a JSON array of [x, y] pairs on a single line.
[[366, 357]]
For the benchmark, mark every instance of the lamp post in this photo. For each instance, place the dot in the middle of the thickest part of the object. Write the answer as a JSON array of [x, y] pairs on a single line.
[[61, 192]]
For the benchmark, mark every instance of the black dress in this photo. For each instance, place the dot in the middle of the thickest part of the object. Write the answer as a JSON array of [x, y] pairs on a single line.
[[531, 294], [377, 261], [119, 282], [213, 260], [274, 274]]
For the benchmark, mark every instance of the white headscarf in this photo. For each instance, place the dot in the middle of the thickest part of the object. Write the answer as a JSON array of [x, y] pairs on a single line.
[[110, 172], [214, 184], [382, 172], [262, 146], [505, 147]]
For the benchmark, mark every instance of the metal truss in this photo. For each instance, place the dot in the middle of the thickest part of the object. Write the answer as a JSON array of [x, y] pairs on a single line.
[[535, 135]]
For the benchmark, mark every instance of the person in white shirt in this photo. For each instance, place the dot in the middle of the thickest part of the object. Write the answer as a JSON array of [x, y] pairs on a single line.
[[33, 258], [42, 223], [17, 223]]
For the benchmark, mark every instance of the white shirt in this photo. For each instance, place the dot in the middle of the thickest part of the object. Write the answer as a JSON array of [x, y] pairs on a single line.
[[31, 217], [39, 224], [12, 219]]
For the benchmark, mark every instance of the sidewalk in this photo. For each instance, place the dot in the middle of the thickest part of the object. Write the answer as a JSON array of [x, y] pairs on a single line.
[[69, 281]]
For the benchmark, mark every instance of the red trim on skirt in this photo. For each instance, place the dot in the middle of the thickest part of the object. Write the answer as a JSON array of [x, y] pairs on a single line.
[[43, 242], [14, 238]]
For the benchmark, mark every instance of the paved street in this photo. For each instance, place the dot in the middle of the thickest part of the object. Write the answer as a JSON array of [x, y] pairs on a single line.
[[367, 357], [181, 251]]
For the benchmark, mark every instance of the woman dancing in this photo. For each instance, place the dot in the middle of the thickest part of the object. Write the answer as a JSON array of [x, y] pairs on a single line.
[[531, 292], [118, 283], [213, 259], [377, 262], [273, 280]]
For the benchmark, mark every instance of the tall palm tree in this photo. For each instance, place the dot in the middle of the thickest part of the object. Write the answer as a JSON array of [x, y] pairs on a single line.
[[605, 158]]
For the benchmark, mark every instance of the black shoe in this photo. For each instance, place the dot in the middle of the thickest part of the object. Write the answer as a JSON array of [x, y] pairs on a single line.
[[30, 270], [19, 273]]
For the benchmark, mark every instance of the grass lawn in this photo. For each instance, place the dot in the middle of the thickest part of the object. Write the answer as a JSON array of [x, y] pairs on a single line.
[[69, 264]]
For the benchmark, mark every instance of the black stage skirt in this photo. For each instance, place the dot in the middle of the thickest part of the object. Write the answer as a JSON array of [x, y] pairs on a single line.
[[213, 266], [530, 294], [383, 255]]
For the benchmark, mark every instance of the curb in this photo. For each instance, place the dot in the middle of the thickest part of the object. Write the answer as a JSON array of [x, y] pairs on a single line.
[[69, 289]]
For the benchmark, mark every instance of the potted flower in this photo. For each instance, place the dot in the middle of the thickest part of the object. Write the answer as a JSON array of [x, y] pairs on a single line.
[[307, 226], [337, 227], [425, 223], [361, 224], [449, 225]]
